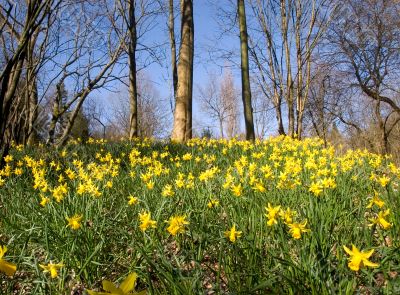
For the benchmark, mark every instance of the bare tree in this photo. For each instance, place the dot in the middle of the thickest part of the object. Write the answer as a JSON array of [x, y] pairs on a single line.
[[139, 18], [288, 30], [219, 101], [152, 115], [364, 43], [230, 102], [20, 23]]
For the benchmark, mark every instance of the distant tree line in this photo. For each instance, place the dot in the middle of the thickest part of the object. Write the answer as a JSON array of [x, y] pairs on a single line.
[[308, 67]]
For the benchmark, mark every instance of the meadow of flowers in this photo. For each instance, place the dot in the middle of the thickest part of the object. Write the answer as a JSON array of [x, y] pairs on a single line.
[[277, 216]]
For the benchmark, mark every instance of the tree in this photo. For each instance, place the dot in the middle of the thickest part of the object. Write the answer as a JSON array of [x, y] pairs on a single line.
[[182, 129], [219, 100], [364, 44], [282, 47], [138, 20], [246, 92], [23, 21], [151, 112]]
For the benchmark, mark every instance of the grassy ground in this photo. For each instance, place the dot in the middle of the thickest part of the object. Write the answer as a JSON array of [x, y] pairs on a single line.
[[209, 217]]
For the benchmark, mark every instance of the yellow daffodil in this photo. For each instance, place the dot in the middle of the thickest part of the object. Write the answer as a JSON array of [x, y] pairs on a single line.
[[237, 190], [272, 214], [383, 180], [380, 219], [213, 203], [167, 191], [6, 267], [177, 225], [132, 200], [233, 234], [359, 258], [375, 201], [127, 287], [287, 215], [316, 188], [146, 221], [74, 222], [44, 200], [52, 269], [296, 229]]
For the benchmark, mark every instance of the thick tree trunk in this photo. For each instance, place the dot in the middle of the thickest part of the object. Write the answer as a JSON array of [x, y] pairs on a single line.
[[246, 92], [133, 94], [183, 104]]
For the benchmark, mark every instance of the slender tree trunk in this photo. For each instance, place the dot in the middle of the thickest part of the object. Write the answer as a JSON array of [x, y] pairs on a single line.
[[55, 114], [183, 104], [289, 79], [32, 93], [133, 94], [171, 28], [221, 127], [71, 120], [246, 92], [281, 129]]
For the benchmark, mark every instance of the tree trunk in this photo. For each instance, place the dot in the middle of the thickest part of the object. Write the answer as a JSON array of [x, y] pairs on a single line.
[[246, 92], [183, 105], [133, 94], [171, 28]]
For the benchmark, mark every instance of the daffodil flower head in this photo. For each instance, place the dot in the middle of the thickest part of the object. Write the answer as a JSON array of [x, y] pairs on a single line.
[[146, 221], [296, 229], [74, 222], [380, 219], [6, 267], [52, 269], [359, 258], [177, 225], [233, 234], [126, 287]]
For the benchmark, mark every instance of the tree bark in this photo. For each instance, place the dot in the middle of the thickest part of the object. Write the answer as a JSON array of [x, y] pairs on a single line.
[[183, 104], [246, 92], [133, 93], [171, 28]]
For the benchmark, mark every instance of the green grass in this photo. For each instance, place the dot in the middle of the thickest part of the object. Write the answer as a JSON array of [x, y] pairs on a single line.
[[264, 260]]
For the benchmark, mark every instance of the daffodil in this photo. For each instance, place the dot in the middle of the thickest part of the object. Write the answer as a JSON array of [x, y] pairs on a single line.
[[375, 201], [74, 222], [359, 258], [177, 225], [287, 215], [383, 180], [233, 234], [316, 188], [146, 221], [126, 287], [213, 203], [296, 229], [52, 269], [272, 214], [5, 266], [237, 190], [132, 200], [380, 219], [167, 191]]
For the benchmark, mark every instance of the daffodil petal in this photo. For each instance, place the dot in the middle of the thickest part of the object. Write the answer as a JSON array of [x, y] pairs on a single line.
[[7, 267], [348, 251], [369, 253], [110, 287], [129, 283], [369, 263]]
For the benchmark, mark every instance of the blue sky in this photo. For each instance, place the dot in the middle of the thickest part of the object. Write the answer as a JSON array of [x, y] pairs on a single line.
[[206, 31]]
